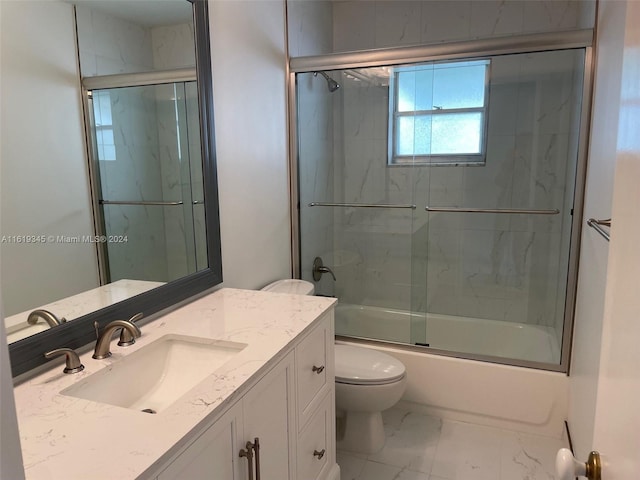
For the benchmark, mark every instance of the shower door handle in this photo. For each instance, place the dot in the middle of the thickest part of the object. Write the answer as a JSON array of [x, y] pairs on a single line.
[[516, 211]]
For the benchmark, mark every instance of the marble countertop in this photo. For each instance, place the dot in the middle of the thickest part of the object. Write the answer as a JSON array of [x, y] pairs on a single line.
[[76, 306], [68, 437]]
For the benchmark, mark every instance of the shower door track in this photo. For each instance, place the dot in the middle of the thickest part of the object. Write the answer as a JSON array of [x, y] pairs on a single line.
[[517, 44]]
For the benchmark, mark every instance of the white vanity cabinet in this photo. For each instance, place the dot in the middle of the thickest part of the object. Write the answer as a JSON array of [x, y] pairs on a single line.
[[290, 410]]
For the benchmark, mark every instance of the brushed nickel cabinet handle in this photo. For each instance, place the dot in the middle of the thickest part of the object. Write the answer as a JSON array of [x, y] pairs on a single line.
[[318, 370], [249, 454], [319, 454]]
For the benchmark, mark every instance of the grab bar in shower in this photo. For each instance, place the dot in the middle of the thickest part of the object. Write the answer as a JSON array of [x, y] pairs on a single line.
[[361, 205], [517, 211], [118, 202], [597, 226]]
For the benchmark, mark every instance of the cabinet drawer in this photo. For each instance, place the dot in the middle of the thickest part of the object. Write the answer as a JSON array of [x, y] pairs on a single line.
[[315, 452], [314, 370]]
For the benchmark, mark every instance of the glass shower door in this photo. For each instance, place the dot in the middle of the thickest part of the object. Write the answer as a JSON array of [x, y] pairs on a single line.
[[355, 213], [500, 230]]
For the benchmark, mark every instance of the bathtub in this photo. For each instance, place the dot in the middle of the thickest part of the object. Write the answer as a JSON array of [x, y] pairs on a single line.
[[452, 333], [504, 396]]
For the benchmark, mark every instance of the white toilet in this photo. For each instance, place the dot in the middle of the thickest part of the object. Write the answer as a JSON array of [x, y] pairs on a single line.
[[367, 382]]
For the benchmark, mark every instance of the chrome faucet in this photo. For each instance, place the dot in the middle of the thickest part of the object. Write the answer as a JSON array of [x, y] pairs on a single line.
[[104, 339], [319, 269], [49, 317]]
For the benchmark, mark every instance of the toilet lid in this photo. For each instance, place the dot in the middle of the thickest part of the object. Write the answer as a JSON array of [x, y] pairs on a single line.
[[364, 366], [294, 286]]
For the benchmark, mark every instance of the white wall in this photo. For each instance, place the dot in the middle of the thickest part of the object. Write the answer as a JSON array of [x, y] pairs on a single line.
[[248, 62], [44, 188], [594, 252]]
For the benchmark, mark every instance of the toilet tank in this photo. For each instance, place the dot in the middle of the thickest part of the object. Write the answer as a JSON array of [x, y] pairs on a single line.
[[293, 286]]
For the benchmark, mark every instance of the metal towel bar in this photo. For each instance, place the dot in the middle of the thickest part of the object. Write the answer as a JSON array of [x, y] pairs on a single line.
[[361, 205], [491, 210], [597, 226], [118, 202]]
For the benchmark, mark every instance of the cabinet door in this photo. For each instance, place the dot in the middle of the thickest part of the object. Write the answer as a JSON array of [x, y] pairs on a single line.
[[314, 370], [267, 414], [212, 456], [315, 444]]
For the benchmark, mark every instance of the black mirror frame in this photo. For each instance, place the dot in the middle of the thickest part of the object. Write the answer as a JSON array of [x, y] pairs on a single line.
[[28, 353]]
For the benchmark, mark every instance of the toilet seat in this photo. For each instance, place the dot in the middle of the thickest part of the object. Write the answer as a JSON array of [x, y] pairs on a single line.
[[363, 366]]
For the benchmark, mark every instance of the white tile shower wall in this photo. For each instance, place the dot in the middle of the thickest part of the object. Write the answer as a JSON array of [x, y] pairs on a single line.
[[309, 27], [362, 25], [134, 175], [110, 45]]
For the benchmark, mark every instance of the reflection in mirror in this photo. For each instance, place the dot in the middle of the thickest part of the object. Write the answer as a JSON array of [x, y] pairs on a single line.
[[150, 176], [69, 244]]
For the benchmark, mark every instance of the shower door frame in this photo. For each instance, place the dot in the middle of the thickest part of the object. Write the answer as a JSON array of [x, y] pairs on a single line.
[[519, 44]]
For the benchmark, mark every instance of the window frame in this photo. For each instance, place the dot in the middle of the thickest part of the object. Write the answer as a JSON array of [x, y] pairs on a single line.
[[446, 159]]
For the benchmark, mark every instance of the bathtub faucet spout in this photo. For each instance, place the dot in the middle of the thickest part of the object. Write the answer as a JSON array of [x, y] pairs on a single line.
[[319, 269]]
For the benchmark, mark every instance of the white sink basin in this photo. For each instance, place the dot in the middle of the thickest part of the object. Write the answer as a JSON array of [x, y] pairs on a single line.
[[155, 376]]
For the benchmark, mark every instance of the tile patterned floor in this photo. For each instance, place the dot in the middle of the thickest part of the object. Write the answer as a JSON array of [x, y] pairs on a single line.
[[420, 447]]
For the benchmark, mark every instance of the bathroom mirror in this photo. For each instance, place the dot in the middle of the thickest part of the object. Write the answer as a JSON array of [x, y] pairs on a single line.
[[125, 219]]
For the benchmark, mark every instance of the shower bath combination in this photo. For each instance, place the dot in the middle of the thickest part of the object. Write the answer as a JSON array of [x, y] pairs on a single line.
[[437, 236]]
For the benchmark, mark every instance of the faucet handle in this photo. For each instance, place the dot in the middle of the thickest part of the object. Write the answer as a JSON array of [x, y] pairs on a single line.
[[73, 364], [126, 338]]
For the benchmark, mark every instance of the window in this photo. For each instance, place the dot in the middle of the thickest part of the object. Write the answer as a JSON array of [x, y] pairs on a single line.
[[439, 113], [105, 142]]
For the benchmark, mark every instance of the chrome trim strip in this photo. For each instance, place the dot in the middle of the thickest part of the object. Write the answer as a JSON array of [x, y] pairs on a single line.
[[516, 211], [361, 205], [119, 202], [121, 80], [578, 207], [466, 49]]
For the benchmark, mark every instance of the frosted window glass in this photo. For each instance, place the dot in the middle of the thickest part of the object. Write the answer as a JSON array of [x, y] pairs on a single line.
[[456, 133], [414, 135], [406, 92], [459, 86], [405, 133]]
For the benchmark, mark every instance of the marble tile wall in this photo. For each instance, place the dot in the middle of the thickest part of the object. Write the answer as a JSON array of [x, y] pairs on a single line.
[[362, 25], [134, 175], [110, 45]]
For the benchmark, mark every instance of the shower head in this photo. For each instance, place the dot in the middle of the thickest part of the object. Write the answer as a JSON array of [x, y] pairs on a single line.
[[332, 85]]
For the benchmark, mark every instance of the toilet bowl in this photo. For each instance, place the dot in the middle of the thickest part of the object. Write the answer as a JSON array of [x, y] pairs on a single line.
[[367, 382]]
